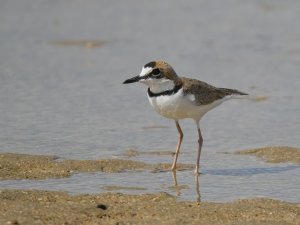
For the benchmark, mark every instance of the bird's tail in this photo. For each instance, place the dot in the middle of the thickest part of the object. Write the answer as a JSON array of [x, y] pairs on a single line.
[[228, 91], [233, 93]]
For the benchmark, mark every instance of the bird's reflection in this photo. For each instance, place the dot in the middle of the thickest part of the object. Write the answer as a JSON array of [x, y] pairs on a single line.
[[197, 185], [178, 188], [178, 193]]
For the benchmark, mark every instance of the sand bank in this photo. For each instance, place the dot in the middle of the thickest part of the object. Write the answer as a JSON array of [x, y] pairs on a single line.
[[23, 166], [49, 207], [276, 154], [45, 207]]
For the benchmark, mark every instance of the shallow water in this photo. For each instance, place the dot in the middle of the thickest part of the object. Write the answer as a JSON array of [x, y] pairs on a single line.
[[217, 185], [69, 101]]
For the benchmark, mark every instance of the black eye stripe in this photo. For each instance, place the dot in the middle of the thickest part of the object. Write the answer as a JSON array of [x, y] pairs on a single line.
[[155, 72]]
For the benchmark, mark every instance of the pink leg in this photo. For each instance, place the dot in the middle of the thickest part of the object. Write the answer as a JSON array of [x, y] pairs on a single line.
[[180, 137], [197, 178], [200, 142]]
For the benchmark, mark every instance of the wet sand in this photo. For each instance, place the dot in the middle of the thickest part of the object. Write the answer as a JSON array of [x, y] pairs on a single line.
[[277, 154], [23, 166], [50, 207], [44, 207]]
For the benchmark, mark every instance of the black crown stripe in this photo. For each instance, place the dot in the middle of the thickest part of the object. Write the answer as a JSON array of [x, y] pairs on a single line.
[[150, 64]]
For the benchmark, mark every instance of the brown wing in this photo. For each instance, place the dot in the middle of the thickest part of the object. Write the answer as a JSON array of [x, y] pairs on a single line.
[[205, 93]]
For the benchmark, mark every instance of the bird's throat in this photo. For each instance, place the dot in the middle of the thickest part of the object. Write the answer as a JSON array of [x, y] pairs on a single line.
[[161, 85]]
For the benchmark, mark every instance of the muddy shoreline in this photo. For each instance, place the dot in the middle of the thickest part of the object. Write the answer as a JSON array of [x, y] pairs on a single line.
[[51, 207]]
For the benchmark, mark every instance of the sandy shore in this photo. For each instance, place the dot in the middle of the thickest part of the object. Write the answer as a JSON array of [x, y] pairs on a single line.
[[275, 154], [48, 207], [44, 207], [23, 166]]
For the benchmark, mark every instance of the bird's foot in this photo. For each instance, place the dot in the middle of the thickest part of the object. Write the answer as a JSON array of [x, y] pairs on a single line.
[[196, 171]]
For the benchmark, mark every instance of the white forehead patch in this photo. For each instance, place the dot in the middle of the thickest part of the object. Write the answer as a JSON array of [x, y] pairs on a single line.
[[145, 71]]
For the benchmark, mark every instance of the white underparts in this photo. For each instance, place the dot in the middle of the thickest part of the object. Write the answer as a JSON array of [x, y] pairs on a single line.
[[180, 106]]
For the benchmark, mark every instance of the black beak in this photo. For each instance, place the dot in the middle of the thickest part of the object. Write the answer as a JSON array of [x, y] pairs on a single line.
[[132, 80]]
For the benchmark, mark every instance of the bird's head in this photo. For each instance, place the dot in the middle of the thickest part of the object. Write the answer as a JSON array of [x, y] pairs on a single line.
[[158, 75]]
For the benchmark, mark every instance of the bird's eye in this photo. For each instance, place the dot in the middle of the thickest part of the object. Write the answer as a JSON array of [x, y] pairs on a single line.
[[155, 72]]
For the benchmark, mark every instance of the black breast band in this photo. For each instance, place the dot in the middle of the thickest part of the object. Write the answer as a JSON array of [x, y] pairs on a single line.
[[168, 92]]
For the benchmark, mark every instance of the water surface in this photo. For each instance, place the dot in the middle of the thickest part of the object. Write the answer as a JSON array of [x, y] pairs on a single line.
[[69, 101]]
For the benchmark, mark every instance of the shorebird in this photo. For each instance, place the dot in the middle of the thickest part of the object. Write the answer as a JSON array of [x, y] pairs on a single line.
[[176, 98]]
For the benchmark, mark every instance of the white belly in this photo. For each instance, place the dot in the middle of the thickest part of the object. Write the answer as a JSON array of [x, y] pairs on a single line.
[[178, 106]]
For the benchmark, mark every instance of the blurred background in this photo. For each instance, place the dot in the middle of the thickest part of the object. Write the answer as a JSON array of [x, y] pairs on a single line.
[[62, 64]]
